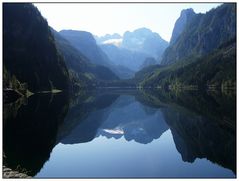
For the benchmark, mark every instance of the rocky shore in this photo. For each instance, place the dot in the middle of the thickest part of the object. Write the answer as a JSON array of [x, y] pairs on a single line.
[[9, 173]]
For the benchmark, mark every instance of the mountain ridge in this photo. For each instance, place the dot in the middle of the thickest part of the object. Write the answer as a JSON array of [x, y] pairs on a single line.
[[203, 33], [203, 56]]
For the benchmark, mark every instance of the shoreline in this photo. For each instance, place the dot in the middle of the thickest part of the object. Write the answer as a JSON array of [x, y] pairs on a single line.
[[9, 173]]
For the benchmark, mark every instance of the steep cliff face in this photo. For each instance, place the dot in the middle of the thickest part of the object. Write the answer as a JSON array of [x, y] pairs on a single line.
[[29, 51], [202, 34], [203, 56], [185, 16]]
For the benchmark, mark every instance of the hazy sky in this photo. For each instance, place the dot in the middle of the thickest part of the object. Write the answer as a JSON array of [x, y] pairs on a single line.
[[103, 18]]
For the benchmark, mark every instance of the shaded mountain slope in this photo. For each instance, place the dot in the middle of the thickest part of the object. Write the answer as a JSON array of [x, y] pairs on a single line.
[[29, 51]]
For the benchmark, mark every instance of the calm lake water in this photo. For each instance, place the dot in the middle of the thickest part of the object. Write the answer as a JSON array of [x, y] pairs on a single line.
[[122, 134]]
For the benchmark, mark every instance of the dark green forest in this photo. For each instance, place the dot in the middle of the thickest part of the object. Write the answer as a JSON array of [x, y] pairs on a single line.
[[216, 70], [29, 51]]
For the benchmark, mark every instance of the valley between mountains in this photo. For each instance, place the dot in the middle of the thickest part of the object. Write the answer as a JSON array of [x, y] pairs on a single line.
[[200, 54]]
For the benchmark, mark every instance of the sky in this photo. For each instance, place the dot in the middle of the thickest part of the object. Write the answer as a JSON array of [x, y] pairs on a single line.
[[109, 18]]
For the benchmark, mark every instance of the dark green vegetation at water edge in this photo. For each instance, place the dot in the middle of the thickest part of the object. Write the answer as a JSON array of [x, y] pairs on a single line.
[[13, 89], [29, 130], [29, 51], [215, 70]]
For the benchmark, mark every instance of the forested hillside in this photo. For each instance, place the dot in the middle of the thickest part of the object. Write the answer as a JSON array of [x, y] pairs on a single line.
[[29, 52], [203, 55], [83, 73]]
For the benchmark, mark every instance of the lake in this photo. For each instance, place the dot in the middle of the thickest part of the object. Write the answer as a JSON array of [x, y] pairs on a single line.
[[122, 134]]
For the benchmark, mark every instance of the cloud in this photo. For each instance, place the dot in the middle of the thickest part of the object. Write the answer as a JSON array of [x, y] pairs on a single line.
[[116, 42]]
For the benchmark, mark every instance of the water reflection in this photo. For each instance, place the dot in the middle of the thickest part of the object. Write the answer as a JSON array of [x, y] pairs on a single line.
[[201, 125], [84, 117], [30, 130], [124, 116]]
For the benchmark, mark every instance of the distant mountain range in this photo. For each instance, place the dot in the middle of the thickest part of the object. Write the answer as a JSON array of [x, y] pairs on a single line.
[[145, 41], [133, 48], [123, 55]]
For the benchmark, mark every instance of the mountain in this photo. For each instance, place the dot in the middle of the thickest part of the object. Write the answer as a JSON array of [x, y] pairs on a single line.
[[215, 70], [84, 118], [29, 51], [82, 72], [203, 56], [185, 16], [145, 41], [122, 71], [124, 57], [108, 119], [145, 73], [203, 33], [148, 61], [133, 48], [86, 44], [143, 127]]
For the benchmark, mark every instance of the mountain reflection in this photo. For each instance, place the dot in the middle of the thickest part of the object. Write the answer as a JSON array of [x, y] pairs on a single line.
[[30, 129], [121, 115], [202, 125], [134, 121]]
